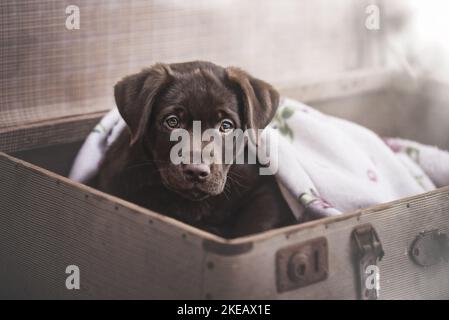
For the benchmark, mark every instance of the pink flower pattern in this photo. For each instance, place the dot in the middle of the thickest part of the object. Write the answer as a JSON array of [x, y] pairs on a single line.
[[372, 175], [395, 147]]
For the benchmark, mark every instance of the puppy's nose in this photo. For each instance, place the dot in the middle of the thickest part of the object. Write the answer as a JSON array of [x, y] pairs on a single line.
[[196, 172]]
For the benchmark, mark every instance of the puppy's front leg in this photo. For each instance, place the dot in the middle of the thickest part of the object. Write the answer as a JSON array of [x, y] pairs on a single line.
[[264, 209]]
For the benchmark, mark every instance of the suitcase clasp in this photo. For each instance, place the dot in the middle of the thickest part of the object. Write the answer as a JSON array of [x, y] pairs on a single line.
[[300, 265], [368, 251]]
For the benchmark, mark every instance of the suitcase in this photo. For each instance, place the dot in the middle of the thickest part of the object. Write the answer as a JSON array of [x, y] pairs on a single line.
[[57, 83], [396, 250]]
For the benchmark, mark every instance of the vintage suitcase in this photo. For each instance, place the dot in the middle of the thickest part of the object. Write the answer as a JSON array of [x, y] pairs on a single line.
[[56, 83], [396, 250]]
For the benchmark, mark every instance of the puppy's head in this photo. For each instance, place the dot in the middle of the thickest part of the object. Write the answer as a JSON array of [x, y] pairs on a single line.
[[167, 99]]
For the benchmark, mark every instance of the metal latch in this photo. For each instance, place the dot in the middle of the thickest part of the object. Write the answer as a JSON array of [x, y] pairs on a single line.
[[368, 252], [429, 247], [302, 264]]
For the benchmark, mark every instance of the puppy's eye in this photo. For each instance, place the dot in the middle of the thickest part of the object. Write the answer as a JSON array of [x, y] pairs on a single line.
[[172, 122], [226, 125]]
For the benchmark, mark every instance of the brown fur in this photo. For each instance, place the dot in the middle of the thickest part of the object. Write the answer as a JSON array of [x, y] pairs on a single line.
[[232, 200]]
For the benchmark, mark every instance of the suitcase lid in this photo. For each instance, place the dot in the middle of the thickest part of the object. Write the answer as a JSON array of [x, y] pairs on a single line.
[[50, 71]]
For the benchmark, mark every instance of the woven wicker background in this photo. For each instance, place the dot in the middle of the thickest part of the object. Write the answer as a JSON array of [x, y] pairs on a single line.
[[50, 72]]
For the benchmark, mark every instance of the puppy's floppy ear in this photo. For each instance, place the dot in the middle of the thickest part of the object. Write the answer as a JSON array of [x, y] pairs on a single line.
[[260, 99], [135, 96]]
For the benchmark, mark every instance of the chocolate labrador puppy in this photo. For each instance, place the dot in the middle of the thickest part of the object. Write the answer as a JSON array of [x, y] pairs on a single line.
[[230, 200]]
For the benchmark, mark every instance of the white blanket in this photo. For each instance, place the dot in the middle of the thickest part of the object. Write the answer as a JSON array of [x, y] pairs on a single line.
[[333, 165], [328, 165]]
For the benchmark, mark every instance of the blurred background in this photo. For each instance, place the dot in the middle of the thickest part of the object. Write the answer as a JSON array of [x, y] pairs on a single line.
[[381, 63]]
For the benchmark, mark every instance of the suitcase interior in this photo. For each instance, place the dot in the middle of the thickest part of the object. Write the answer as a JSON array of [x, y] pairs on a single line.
[[418, 114]]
